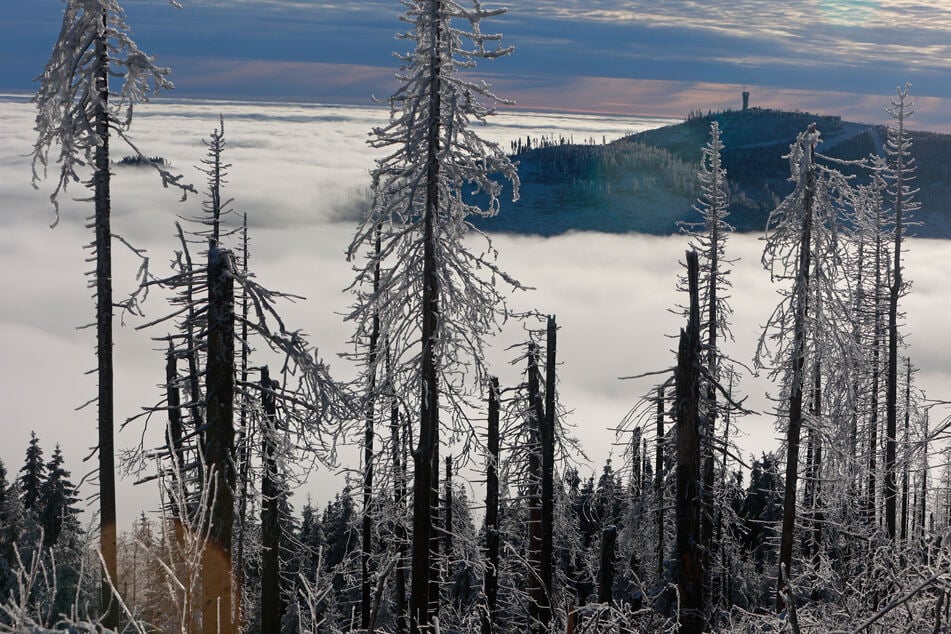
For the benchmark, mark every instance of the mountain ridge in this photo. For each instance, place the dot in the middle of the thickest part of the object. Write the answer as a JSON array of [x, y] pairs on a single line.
[[646, 182]]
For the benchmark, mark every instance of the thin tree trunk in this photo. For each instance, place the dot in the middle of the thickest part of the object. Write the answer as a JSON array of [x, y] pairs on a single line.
[[175, 433], [217, 579], [244, 435], [272, 610], [491, 583], [192, 358], [536, 590], [606, 570], [808, 497], [876, 378], [436, 578], [907, 448], [104, 305], [724, 577], [857, 307], [891, 381], [817, 515], [367, 537], [689, 551], [924, 479], [447, 530], [659, 482], [399, 474], [548, 475], [709, 416], [798, 358], [636, 474], [174, 443]]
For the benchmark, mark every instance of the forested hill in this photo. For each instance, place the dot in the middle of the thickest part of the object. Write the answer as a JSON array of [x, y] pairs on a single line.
[[647, 182]]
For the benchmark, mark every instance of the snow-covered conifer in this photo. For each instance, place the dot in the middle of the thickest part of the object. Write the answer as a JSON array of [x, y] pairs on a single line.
[[803, 250], [899, 173], [32, 473], [436, 298], [57, 503], [78, 111]]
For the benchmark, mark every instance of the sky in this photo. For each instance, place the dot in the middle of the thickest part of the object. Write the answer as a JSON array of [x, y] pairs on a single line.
[[300, 171], [636, 57]]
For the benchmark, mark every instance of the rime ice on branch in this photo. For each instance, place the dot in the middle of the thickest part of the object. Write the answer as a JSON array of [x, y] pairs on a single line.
[[436, 299]]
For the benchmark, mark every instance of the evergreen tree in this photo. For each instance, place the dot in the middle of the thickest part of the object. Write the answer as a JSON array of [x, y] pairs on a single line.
[[58, 512], [32, 474]]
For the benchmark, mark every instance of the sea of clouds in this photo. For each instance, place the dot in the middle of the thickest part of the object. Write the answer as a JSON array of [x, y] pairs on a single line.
[[301, 172]]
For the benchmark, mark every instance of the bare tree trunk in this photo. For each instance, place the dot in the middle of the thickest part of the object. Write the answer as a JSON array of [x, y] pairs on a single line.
[[891, 381], [399, 475], [447, 530], [857, 307], [272, 609], [491, 582], [906, 463], [709, 418], [798, 358], [659, 482], [104, 305], [425, 564], [175, 433], [547, 438], [725, 573], [436, 578], [536, 590], [178, 508], [924, 479], [817, 515], [636, 474], [808, 494], [871, 501], [217, 579], [244, 434], [367, 537], [606, 571], [689, 551]]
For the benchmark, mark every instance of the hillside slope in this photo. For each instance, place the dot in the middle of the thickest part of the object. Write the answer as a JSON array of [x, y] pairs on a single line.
[[646, 182]]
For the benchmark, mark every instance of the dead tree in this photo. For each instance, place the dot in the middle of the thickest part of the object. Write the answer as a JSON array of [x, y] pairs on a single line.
[[547, 438], [688, 504], [800, 307], [368, 457], [272, 608], [659, 476], [536, 589], [606, 569], [491, 582], [218, 441], [900, 171], [74, 111], [399, 477]]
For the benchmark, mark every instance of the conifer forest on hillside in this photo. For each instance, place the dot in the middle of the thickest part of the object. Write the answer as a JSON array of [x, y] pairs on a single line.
[[467, 504]]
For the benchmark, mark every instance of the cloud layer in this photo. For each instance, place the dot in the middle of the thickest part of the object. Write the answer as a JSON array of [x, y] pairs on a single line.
[[297, 171]]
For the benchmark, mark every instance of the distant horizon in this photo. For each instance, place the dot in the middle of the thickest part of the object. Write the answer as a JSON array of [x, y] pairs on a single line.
[[624, 57], [171, 98]]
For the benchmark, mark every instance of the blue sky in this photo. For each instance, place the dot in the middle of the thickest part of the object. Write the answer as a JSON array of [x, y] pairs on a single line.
[[645, 57]]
